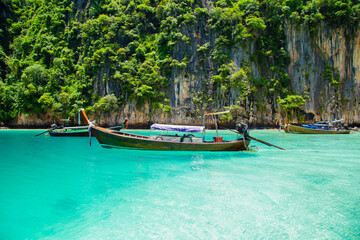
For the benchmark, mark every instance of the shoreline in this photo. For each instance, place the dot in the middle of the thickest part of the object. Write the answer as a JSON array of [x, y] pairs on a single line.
[[31, 129]]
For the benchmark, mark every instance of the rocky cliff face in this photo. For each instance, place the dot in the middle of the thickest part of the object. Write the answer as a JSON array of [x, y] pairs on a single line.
[[329, 49], [309, 56]]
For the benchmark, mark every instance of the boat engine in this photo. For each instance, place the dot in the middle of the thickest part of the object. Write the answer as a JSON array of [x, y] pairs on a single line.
[[242, 128]]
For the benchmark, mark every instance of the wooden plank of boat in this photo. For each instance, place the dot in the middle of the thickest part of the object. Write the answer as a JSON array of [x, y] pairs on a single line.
[[298, 129], [109, 138]]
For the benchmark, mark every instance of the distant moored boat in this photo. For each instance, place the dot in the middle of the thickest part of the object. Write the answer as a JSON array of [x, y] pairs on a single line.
[[325, 127]]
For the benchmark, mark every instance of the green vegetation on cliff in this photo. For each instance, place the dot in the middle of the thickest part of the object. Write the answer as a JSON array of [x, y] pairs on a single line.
[[59, 55]]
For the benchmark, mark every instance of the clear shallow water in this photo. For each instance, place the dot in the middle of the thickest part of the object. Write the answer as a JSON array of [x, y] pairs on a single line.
[[60, 188]]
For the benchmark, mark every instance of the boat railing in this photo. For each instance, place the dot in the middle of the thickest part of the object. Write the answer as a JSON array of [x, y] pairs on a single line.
[[130, 134], [76, 128]]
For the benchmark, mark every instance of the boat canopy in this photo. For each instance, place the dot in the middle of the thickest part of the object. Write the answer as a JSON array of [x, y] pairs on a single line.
[[179, 128]]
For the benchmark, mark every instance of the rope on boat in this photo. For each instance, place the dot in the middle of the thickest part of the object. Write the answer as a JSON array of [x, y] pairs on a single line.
[[91, 124], [90, 134], [245, 143]]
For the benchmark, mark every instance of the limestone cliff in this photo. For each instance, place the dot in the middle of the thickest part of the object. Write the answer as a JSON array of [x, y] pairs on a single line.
[[309, 56]]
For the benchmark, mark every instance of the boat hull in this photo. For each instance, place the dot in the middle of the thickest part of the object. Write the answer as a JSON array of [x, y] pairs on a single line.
[[297, 129], [59, 133], [109, 138]]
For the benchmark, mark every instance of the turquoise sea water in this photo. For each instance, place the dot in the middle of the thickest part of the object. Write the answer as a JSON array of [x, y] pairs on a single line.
[[61, 188]]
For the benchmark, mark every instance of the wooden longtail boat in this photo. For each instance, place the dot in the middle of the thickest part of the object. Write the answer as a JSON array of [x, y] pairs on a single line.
[[187, 142], [325, 127], [81, 131]]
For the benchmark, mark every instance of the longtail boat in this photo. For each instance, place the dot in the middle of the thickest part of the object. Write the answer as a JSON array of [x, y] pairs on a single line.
[[325, 127], [187, 142], [81, 131]]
